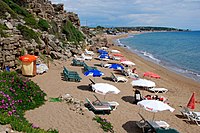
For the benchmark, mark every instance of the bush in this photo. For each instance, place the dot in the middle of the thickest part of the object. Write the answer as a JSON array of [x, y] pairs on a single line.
[[105, 125], [17, 95], [72, 34], [43, 24], [28, 34]]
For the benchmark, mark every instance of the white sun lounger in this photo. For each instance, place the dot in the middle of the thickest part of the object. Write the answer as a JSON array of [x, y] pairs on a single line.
[[118, 78], [89, 52], [158, 90], [86, 57]]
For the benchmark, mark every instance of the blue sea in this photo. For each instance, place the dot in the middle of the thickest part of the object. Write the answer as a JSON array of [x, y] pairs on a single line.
[[177, 51]]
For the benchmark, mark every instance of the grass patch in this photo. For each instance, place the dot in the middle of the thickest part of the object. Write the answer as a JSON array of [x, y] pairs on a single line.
[[5, 8], [28, 34], [72, 33], [105, 125], [17, 95], [2, 33], [43, 24]]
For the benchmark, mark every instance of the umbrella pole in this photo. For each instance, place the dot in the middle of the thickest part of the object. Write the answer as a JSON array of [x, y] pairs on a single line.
[[153, 115]]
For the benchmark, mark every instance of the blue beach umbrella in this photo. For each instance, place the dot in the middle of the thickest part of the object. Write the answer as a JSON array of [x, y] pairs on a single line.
[[116, 67], [94, 73], [102, 51], [103, 56]]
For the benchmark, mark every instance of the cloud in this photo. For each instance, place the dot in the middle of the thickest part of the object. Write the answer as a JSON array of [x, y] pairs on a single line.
[[175, 13]]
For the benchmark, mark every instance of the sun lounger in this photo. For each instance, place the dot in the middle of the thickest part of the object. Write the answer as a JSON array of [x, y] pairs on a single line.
[[71, 75], [189, 114], [98, 108], [142, 124], [163, 130], [116, 58], [195, 116], [79, 58], [112, 104], [76, 62], [87, 68], [118, 78], [158, 90], [89, 52], [86, 57]]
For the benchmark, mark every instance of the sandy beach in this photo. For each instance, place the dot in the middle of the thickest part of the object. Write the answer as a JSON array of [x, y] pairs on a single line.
[[59, 116]]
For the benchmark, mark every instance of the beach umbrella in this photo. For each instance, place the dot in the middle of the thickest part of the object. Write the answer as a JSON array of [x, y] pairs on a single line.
[[28, 58], [155, 106], [94, 73], [104, 57], [115, 51], [129, 63], [104, 88], [116, 67], [102, 51], [143, 83], [191, 103]]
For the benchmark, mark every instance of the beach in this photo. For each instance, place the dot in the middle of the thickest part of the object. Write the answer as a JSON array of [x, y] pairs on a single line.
[[59, 116]]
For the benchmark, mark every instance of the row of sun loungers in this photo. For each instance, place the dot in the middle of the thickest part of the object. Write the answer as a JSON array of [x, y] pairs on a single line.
[[71, 75]]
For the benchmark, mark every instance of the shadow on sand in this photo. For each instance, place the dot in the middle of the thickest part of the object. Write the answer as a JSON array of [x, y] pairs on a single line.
[[129, 99], [131, 127], [107, 78], [84, 88]]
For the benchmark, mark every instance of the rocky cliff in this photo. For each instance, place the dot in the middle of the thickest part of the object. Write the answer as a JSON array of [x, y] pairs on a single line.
[[37, 27]]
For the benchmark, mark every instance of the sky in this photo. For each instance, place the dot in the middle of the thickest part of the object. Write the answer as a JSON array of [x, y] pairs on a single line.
[[184, 14]]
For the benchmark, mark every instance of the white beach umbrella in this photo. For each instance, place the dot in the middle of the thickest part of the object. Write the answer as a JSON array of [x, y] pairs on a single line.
[[104, 48], [155, 106], [129, 63], [143, 83], [115, 51], [104, 88]]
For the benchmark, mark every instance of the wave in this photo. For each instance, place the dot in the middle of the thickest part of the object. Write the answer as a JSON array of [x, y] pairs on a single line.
[[148, 55]]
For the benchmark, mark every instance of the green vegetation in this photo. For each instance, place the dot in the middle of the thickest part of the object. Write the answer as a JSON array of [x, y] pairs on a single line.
[[16, 8], [43, 24], [2, 33], [5, 8], [72, 34], [105, 125], [28, 34], [28, 18], [17, 95]]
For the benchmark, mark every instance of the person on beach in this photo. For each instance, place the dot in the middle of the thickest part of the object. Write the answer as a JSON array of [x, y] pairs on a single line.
[[134, 70]]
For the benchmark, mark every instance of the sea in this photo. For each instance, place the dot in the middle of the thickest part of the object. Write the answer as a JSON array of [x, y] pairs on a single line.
[[176, 51]]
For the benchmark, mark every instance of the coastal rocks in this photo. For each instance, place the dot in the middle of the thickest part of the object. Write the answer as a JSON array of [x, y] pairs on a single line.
[[7, 129], [75, 104], [9, 25]]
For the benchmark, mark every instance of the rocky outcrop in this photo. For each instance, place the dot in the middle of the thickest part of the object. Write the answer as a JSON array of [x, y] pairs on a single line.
[[14, 45]]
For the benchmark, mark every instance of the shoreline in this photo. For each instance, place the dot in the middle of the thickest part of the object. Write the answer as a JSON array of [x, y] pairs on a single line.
[[188, 73]]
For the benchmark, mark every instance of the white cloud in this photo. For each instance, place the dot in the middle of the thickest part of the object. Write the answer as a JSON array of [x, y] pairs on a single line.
[[175, 13]]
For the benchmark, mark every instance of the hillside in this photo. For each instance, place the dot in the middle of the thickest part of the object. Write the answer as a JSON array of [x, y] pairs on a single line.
[[37, 27]]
